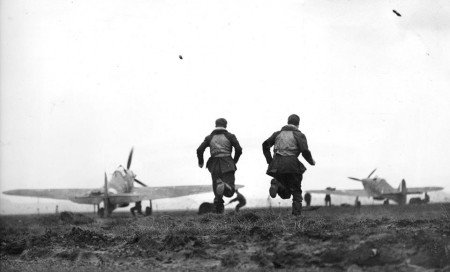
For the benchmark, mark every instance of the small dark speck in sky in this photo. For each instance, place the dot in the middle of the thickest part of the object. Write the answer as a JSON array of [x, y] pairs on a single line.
[[180, 56], [398, 14]]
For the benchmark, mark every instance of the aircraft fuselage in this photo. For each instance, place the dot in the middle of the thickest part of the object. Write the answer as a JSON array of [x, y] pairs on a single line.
[[379, 189]]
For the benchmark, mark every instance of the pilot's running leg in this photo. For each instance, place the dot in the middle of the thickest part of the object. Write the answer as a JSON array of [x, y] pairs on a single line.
[[228, 179], [295, 184], [279, 186], [223, 185], [218, 205], [239, 205]]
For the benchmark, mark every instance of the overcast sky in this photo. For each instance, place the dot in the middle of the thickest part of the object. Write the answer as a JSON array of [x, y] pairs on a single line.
[[84, 81]]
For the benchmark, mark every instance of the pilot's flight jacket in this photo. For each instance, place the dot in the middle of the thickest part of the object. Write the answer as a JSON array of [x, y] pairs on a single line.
[[289, 143], [220, 142]]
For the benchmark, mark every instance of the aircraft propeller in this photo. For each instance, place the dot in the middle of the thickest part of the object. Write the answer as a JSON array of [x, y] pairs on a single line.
[[357, 179], [130, 157], [140, 182], [372, 173]]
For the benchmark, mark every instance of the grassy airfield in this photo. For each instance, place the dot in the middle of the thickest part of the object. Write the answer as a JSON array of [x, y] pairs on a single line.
[[375, 238]]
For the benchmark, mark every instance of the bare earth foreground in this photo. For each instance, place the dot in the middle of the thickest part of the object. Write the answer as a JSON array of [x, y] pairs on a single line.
[[378, 238]]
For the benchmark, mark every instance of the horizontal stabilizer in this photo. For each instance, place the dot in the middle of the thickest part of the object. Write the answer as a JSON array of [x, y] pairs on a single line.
[[420, 190]]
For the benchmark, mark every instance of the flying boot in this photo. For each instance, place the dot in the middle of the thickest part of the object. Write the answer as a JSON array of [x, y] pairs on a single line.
[[218, 205], [275, 186], [296, 208]]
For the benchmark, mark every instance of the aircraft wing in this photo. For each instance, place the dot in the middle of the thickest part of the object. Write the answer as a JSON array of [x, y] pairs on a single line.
[[150, 193], [67, 194], [94, 196], [340, 192], [420, 190]]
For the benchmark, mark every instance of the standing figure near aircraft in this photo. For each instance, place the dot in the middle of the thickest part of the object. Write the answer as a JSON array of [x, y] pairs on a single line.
[[221, 165], [137, 207], [327, 200], [308, 199], [357, 204], [426, 199], [285, 168], [239, 197]]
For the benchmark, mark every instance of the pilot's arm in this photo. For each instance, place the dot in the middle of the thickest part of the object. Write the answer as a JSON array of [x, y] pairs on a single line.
[[201, 150], [267, 145], [303, 145], [237, 147]]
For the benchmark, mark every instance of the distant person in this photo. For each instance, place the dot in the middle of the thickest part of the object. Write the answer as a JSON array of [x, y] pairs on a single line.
[[285, 168], [221, 164], [327, 200], [426, 199], [357, 204], [149, 209], [308, 199], [137, 207], [239, 197]]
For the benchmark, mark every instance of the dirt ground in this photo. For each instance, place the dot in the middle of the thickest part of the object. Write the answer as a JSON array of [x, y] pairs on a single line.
[[375, 238]]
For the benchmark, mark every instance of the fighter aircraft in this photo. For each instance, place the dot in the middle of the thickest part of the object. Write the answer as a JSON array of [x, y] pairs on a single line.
[[117, 192], [379, 189]]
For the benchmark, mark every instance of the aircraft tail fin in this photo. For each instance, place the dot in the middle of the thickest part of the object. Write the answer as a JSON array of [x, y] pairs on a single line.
[[403, 192], [402, 187]]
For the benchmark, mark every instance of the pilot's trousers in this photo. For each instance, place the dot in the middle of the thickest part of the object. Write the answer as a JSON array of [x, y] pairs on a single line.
[[227, 178], [291, 185], [239, 205]]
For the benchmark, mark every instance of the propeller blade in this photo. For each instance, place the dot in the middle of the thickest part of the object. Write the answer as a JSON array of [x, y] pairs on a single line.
[[129, 159], [355, 179], [106, 200], [140, 182], [372, 173], [106, 185]]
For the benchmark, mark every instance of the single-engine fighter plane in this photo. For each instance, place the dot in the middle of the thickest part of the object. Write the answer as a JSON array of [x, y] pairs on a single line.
[[379, 189], [117, 192]]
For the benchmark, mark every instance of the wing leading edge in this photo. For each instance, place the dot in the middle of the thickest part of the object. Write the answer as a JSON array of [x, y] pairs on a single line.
[[67, 194], [340, 192]]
